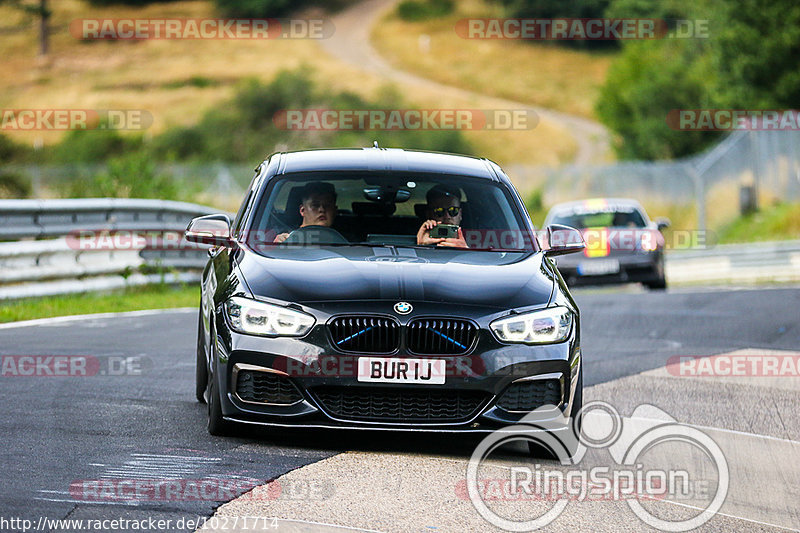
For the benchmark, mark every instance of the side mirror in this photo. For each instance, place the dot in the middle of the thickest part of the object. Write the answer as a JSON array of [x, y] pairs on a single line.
[[563, 240], [210, 229], [662, 223]]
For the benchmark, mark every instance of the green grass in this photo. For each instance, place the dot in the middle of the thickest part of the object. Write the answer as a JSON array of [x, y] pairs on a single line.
[[775, 223], [131, 299]]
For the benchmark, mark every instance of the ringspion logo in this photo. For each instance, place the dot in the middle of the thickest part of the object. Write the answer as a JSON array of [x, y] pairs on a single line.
[[634, 477]]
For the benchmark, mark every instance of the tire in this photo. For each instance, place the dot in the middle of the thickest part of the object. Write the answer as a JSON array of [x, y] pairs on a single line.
[[537, 450], [201, 369], [217, 425], [660, 283]]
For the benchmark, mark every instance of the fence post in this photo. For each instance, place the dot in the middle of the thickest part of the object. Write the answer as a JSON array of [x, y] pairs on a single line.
[[756, 151], [699, 196]]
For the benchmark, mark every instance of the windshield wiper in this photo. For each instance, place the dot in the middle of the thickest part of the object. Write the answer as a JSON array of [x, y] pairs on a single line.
[[492, 249], [402, 245]]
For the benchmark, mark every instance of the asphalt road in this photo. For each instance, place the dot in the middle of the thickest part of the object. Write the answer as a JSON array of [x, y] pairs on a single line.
[[65, 436]]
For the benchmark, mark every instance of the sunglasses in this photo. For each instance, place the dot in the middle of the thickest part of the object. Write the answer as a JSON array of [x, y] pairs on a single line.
[[453, 211]]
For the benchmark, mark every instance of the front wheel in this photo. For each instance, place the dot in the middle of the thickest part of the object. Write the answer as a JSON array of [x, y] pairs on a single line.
[[217, 425], [201, 370]]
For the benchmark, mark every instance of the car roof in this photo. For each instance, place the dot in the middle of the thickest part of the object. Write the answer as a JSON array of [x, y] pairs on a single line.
[[388, 159], [600, 204]]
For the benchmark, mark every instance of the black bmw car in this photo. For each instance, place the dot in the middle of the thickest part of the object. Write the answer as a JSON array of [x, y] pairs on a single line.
[[383, 289]]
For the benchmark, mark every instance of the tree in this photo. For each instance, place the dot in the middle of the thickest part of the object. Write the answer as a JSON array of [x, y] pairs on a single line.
[[648, 80], [756, 54], [749, 61]]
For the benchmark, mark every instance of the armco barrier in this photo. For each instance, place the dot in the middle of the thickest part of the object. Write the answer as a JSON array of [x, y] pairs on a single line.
[[39, 258], [750, 263]]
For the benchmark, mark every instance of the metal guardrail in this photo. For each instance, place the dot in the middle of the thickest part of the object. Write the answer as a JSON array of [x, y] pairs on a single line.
[[46, 255], [756, 262], [50, 218]]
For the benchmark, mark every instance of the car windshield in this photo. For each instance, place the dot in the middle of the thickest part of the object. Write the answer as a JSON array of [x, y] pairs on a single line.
[[618, 218], [387, 209]]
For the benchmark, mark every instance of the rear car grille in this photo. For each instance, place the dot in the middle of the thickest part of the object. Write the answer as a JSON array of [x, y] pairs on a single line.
[[365, 334], [265, 387], [440, 336], [399, 405], [529, 395]]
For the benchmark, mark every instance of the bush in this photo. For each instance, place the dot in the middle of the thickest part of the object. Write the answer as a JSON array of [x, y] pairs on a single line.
[[416, 10], [258, 8], [556, 8], [100, 3], [14, 186], [11, 151], [559, 9], [129, 176], [243, 129], [91, 146]]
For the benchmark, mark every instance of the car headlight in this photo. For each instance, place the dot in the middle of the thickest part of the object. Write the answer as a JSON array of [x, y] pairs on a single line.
[[537, 327], [260, 318]]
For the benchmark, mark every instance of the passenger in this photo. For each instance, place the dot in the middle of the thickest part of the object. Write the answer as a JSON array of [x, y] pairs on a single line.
[[444, 207], [318, 207]]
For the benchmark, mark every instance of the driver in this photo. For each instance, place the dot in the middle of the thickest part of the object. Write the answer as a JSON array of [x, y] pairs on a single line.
[[318, 207], [444, 207]]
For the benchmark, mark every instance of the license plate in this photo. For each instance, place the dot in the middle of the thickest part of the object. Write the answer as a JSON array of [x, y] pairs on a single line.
[[393, 370], [598, 267]]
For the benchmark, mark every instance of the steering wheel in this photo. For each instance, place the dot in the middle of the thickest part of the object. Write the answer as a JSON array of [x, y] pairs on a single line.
[[315, 235]]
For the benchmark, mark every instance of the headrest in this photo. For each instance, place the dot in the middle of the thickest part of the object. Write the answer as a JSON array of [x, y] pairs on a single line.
[[293, 202]]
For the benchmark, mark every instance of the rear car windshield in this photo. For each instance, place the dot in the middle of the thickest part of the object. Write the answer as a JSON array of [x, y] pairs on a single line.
[[388, 209], [627, 218]]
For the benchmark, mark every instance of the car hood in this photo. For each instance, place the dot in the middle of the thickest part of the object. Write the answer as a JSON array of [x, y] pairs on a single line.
[[500, 280]]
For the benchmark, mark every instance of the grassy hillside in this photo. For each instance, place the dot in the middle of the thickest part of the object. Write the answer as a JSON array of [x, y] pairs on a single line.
[[177, 81], [541, 73]]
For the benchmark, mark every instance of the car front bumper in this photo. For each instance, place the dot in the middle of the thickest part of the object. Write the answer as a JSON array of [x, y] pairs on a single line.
[[482, 377]]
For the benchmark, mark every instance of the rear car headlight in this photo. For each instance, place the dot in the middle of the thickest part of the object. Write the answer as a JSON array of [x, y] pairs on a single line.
[[260, 318], [649, 241], [538, 327]]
